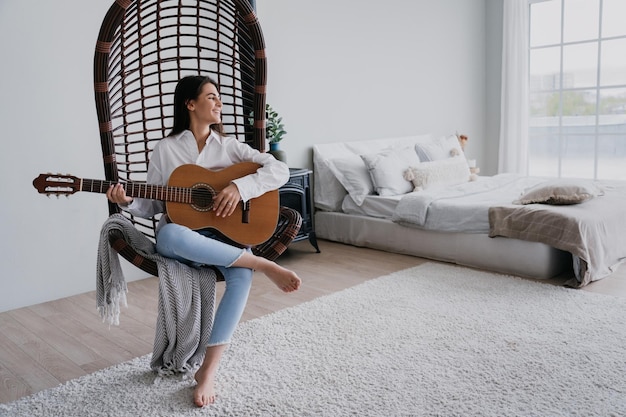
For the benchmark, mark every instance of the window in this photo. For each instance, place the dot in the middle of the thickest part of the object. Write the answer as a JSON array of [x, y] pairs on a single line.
[[577, 90]]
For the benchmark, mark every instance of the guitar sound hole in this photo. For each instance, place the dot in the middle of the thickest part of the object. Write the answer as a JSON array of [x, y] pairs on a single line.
[[202, 196]]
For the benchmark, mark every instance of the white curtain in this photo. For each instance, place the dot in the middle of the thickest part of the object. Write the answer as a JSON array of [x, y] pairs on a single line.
[[513, 151]]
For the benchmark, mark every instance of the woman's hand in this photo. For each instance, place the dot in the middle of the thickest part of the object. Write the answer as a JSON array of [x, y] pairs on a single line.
[[117, 194], [226, 201]]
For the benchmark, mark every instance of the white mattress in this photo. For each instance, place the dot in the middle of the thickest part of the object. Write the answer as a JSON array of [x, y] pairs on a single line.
[[508, 256]]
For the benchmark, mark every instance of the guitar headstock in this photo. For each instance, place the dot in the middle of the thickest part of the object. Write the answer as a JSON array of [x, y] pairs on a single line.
[[56, 184]]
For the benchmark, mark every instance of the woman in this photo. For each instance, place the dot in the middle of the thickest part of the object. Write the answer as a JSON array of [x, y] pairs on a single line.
[[197, 138]]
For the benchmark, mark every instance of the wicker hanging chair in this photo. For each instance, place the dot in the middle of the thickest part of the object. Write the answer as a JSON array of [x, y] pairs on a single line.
[[144, 47]]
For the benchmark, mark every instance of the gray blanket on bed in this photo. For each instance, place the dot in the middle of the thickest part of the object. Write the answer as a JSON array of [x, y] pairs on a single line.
[[594, 232], [186, 300], [460, 208]]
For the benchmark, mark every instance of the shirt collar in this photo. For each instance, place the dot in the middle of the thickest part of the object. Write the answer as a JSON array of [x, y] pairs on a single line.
[[187, 134]]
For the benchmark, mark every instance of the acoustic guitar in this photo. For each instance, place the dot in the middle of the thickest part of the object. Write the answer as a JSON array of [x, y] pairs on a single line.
[[188, 198]]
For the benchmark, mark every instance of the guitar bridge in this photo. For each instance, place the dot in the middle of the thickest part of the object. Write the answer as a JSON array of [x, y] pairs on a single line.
[[245, 212]]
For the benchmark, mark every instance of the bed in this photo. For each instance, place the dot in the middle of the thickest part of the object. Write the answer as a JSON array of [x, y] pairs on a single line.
[[415, 195]]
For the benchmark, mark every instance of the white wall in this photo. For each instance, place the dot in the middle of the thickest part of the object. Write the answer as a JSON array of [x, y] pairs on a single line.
[[49, 124], [336, 72], [345, 70]]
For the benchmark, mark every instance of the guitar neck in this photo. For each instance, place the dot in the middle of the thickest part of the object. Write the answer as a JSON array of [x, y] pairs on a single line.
[[141, 190]]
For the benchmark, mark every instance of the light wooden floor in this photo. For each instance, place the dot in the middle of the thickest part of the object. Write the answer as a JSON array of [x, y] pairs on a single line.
[[44, 345]]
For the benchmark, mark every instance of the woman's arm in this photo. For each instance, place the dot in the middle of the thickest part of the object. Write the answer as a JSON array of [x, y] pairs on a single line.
[[270, 176], [140, 207]]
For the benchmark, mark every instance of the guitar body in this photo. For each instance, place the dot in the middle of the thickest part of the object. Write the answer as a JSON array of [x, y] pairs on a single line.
[[252, 228]]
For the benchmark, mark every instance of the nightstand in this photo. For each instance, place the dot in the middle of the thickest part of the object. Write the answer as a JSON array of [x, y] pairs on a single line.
[[296, 194]]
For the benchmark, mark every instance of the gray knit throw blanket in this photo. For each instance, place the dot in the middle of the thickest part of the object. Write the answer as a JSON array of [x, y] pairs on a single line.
[[186, 300]]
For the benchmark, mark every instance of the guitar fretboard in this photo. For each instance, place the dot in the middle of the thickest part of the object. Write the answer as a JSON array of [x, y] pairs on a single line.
[[140, 190]]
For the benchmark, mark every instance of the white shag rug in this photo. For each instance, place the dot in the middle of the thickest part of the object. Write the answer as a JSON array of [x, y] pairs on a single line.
[[434, 340]]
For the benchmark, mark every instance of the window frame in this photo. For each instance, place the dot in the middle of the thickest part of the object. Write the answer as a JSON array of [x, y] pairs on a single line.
[[562, 132]]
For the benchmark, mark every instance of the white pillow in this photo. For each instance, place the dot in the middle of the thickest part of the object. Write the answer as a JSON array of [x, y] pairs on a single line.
[[386, 169], [444, 172], [441, 148], [560, 192], [328, 192], [352, 173]]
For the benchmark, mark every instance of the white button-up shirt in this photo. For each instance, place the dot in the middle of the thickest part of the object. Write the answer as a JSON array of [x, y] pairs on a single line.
[[219, 152]]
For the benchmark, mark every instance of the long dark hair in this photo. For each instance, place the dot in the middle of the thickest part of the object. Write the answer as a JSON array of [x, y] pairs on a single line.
[[189, 88]]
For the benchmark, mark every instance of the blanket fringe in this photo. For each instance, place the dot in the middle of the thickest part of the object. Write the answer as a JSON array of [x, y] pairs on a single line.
[[110, 312]]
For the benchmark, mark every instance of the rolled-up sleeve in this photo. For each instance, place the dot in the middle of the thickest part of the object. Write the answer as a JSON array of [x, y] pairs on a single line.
[[144, 207]]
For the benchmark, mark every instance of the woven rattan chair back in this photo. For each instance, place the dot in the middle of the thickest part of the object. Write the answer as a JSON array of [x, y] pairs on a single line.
[[144, 47]]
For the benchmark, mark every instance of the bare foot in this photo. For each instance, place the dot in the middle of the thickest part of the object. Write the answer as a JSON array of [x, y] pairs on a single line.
[[284, 278], [204, 393]]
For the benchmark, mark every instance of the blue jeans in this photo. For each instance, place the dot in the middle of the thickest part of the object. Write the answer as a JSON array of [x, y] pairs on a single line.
[[202, 248]]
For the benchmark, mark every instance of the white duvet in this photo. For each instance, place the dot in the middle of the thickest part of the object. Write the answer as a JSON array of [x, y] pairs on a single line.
[[461, 208]]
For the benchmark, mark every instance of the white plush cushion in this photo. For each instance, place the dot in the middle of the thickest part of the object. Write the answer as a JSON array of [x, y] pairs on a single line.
[[352, 173], [440, 173], [560, 192], [440, 148], [386, 169]]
